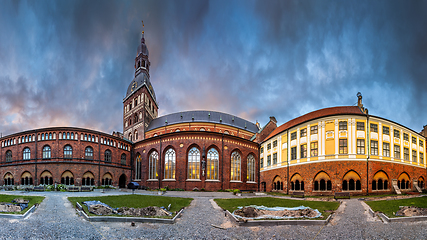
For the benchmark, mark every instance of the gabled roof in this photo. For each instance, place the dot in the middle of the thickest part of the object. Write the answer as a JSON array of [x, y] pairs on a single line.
[[203, 116], [351, 110]]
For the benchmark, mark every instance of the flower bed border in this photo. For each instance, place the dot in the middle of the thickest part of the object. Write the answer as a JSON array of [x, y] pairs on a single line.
[[18, 216], [278, 222], [126, 219]]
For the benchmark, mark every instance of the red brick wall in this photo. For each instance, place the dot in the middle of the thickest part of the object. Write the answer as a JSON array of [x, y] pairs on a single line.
[[336, 171], [182, 142], [56, 165]]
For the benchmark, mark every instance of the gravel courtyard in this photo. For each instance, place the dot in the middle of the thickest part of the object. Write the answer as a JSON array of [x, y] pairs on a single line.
[[56, 219]]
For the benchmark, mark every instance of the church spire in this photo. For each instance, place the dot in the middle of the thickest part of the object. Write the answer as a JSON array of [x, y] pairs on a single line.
[[142, 64]]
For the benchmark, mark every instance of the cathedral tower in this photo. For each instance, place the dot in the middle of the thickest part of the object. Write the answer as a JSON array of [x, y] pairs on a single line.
[[140, 105]]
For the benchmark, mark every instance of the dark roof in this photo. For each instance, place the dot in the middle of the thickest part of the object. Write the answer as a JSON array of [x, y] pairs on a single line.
[[141, 79], [203, 116], [353, 110]]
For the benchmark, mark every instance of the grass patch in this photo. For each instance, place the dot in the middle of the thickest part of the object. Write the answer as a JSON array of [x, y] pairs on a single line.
[[33, 200], [231, 204], [388, 207], [135, 201]]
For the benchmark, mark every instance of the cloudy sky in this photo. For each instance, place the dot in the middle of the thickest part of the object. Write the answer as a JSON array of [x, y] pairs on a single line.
[[69, 63]]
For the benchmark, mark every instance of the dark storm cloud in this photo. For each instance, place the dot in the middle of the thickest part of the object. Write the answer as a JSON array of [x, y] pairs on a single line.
[[69, 63]]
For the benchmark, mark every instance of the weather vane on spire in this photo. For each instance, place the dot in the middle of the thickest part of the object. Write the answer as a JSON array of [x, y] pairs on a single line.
[[142, 27]]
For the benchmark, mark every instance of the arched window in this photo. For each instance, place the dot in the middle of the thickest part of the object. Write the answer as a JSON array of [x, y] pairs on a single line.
[[138, 167], [9, 156], [212, 164], [107, 179], [135, 118], [8, 179], [380, 181], [42, 136], [251, 168], [50, 136], [123, 159], [154, 157], [136, 135], [107, 156], [85, 137], [89, 153], [93, 138], [170, 161], [193, 164], [344, 185], [67, 178], [46, 178], [46, 152], [68, 135], [352, 181], [88, 179], [322, 182], [235, 166], [26, 179], [68, 152], [72, 135], [64, 135], [26, 154]]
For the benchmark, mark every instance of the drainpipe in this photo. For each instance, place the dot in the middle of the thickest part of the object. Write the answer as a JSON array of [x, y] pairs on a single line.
[[35, 181], [222, 163], [287, 160], [259, 168], [160, 163], [368, 149]]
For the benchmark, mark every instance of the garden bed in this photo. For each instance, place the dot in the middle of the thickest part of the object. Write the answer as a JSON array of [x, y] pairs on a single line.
[[325, 208], [134, 204], [31, 200], [390, 207]]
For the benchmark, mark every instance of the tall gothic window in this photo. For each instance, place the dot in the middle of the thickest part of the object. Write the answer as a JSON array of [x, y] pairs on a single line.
[[123, 159], [212, 164], [235, 166], [46, 152], [251, 168], [154, 157], [9, 156], [193, 163], [107, 156], [170, 161], [138, 167], [68, 152], [26, 154], [89, 153]]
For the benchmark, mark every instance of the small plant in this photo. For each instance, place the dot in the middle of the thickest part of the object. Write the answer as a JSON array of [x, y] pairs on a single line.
[[236, 191], [49, 187], [61, 187], [202, 189], [162, 189]]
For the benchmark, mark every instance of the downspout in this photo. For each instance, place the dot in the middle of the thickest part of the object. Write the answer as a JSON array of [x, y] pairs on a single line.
[[160, 163], [259, 168], [222, 163], [35, 163], [369, 151], [287, 160], [99, 162]]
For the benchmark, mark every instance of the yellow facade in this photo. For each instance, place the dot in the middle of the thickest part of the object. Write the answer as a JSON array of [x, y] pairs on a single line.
[[377, 141]]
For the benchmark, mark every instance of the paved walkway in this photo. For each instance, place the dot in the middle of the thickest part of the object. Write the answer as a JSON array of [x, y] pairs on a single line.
[[56, 219]]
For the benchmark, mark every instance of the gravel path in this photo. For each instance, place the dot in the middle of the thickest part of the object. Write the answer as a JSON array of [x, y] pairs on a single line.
[[56, 219]]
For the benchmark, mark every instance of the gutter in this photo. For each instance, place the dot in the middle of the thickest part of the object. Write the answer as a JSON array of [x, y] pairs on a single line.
[[287, 160]]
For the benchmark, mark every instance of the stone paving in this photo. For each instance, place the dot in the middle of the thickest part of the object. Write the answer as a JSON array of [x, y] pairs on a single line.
[[56, 219]]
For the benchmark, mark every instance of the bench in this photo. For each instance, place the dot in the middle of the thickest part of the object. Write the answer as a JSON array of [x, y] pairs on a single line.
[[297, 194], [342, 195], [73, 189], [38, 188], [85, 189]]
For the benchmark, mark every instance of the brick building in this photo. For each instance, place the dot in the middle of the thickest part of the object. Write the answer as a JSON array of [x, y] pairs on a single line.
[[196, 149], [342, 149], [339, 149]]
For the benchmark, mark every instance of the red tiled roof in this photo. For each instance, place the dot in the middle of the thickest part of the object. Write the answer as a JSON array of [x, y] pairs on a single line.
[[352, 110]]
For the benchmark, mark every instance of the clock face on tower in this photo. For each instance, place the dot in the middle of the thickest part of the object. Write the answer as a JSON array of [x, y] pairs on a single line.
[[134, 85]]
